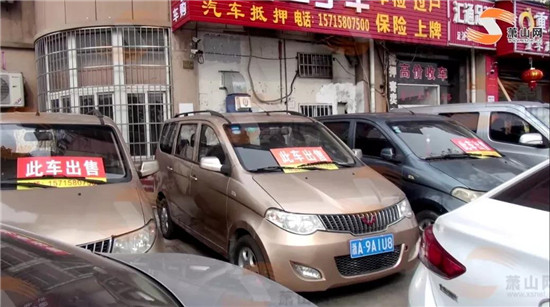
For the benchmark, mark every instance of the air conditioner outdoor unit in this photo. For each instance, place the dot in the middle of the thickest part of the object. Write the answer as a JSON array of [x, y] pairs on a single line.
[[11, 90]]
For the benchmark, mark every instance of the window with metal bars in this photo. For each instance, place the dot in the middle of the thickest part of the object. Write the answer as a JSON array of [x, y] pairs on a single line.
[[316, 110], [315, 65]]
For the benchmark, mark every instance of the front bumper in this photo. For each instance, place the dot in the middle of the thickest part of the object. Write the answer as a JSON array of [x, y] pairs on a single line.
[[320, 249]]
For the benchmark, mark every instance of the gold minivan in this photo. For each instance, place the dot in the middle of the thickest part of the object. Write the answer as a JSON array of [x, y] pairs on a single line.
[[71, 178], [277, 193]]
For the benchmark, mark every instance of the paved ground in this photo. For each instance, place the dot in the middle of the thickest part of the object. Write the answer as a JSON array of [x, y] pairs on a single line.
[[390, 291]]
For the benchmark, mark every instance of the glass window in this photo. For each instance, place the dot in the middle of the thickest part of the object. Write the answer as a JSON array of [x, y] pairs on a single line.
[[253, 143], [167, 137], [86, 104], [137, 124], [532, 192], [431, 139], [370, 140], [210, 145], [32, 140], [156, 116], [66, 101], [105, 104], [341, 129], [542, 113], [508, 128], [417, 94], [55, 105], [469, 120], [185, 147]]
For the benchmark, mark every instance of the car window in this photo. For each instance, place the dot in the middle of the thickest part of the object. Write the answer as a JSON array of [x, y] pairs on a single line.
[[341, 129], [41, 151], [532, 192], [470, 120], [210, 145], [370, 140], [508, 128], [186, 141], [167, 137]]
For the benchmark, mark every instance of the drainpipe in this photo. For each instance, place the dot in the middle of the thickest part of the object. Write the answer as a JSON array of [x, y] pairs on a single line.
[[371, 77], [473, 78]]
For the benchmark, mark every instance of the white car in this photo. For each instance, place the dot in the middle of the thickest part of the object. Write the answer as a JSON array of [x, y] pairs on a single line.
[[493, 251]]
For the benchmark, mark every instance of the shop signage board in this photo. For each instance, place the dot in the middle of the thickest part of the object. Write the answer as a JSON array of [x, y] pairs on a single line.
[[516, 39], [410, 21], [464, 15]]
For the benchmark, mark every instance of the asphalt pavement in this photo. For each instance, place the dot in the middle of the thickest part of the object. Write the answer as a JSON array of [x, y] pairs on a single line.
[[389, 291]]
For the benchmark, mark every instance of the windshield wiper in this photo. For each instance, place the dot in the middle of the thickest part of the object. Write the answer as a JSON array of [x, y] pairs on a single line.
[[25, 184], [450, 156], [339, 163], [273, 168]]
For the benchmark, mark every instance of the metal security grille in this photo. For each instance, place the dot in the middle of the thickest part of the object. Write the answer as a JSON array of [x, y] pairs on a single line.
[[124, 72], [316, 110], [315, 65], [369, 264], [363, 223]]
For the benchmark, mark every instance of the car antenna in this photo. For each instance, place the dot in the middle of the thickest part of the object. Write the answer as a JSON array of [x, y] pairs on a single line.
[[409, 110], [99, 116], [37, 112]]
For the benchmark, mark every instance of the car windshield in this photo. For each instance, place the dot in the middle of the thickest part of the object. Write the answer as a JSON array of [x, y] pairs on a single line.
[[280, 146], [440, 139], [55, 155], [35, 273], [542, 114]]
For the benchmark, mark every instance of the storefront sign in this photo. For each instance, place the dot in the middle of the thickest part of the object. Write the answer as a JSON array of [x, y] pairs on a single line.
[[414, 21], [465, 14], [531, 32]]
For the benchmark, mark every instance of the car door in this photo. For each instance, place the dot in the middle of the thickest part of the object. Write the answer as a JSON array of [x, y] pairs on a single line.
[[371, 140], [505, 130], [185, 210], [209, 190]]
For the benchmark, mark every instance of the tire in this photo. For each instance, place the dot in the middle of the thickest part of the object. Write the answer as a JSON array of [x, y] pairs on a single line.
[[167, 226], [248, 255], [425, 218]]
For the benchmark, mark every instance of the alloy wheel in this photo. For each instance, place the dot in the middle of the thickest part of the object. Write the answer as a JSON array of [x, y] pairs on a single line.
[[247, 259]]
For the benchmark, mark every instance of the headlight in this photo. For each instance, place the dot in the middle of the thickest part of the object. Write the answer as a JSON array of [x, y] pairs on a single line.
[[136, 242], [405, 209], [302, 224], [466, 195]]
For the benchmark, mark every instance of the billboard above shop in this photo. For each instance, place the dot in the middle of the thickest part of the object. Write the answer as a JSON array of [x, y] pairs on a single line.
[[418, 21]]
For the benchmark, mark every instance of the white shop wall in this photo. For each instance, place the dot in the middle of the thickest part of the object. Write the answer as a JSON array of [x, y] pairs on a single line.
[[221, 53]]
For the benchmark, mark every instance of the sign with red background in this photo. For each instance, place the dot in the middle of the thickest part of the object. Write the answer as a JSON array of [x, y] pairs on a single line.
[[464, 14], [469, 145], [411, 21], [37, 167], [540, 14], [300, 155]]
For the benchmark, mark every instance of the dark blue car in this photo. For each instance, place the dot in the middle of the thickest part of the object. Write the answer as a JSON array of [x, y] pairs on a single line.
[[437, 162]]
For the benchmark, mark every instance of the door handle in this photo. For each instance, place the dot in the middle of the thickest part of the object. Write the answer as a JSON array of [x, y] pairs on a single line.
[[193, 177], [171, 169]]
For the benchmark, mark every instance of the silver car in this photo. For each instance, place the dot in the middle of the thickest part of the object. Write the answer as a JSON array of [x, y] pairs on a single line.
[[519, 130]]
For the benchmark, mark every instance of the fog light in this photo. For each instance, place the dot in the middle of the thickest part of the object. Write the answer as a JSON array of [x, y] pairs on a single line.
[[306, 272]]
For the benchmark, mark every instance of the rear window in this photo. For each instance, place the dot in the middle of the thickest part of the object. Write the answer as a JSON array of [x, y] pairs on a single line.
[[469, 120], [532, 192]]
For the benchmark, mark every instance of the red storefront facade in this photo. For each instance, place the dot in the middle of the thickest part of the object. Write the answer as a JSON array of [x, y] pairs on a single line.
[[426, 38]]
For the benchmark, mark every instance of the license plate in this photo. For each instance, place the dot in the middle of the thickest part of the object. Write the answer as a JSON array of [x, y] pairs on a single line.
[[371, 246]]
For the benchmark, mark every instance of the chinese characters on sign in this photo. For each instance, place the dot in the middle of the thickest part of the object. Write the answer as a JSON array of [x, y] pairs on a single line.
[[473, 145], [415, 21], [296, 156], [37, 167]]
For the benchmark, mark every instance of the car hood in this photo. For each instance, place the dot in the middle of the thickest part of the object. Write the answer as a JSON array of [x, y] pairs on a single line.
[[343, 191], [201, 281], [479, 174], [74, 215]]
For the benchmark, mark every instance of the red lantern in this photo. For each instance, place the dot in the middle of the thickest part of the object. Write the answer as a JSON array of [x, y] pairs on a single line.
[[531, 76]]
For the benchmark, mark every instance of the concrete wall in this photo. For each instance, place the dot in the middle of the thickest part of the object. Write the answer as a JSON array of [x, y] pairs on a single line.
[[56, 15], [266, 74]]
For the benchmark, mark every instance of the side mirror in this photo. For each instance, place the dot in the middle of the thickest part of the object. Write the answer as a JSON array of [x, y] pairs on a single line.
[[211, 164], [388, 154], [358, 153], [531, 139], [148, 168]]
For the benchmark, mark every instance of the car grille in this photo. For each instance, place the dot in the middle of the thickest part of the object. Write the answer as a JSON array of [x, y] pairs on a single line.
[[369, 264], [358, 224], [103, 246]]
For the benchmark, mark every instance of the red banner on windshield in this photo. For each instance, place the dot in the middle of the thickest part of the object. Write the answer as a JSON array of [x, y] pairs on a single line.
[[471, 145], [300, 155], [37, 167]]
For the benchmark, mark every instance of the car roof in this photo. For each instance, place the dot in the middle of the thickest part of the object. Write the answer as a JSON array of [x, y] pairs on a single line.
[[243, 118], [384, 117], [477, 105], [52, 118]]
